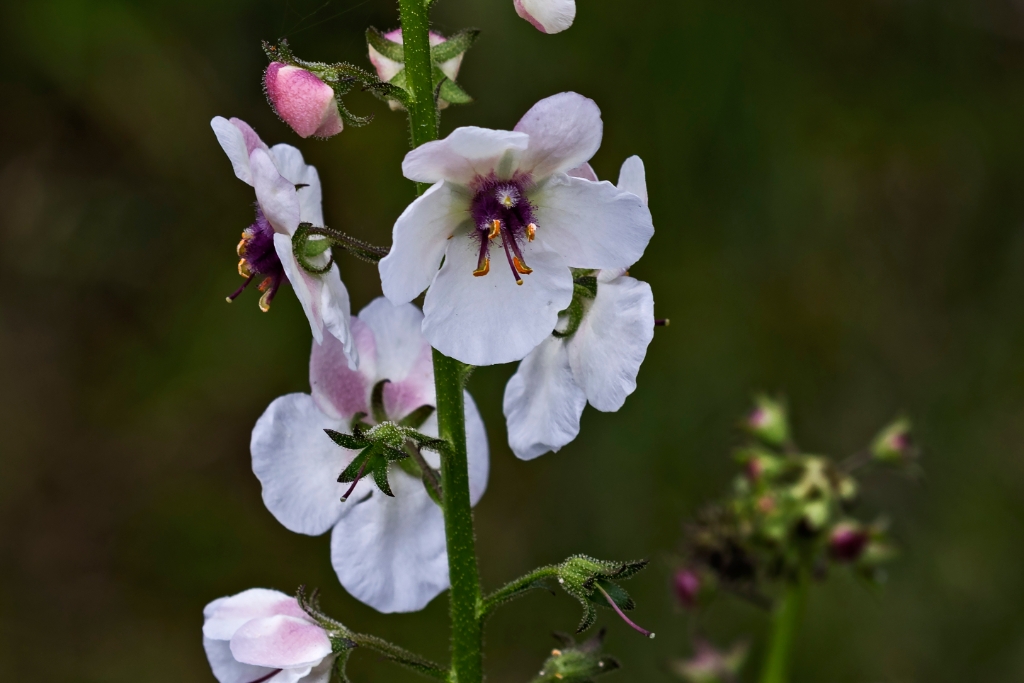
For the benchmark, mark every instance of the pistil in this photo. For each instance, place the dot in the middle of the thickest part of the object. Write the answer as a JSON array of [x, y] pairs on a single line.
[[618, 611]]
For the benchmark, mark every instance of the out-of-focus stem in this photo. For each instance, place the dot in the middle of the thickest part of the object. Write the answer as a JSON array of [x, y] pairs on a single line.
[[785, 621]]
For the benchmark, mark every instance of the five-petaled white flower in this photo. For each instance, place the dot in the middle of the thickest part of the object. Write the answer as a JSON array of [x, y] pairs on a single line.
[[263, 635], [598, 362], [547, 16], [509, 192], [287, 193], [388, 552]]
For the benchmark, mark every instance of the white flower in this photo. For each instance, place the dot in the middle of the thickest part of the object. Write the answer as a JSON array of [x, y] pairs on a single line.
[[547, 16], [263, 635], [508, 192], [287, 193], [388, 552], [598, 363]]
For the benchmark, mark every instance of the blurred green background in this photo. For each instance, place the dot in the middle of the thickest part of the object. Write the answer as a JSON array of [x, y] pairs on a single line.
[[837, 191]]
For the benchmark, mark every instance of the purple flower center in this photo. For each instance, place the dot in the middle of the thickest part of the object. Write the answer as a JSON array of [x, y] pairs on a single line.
[[259, 257], [501, 211]]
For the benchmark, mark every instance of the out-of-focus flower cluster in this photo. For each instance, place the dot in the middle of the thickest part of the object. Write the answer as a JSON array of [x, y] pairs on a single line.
[[790, 514]]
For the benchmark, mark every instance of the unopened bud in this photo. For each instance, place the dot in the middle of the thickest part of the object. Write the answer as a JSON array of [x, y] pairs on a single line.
[[768, 421], [894, 443], [388, 68], [302, 100], [686, 583], [847, 542]]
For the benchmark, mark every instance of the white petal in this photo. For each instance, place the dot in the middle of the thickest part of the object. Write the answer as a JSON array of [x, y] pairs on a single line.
[[281, 642], [298, 464], [465, 154], [585, 171], [543, 403], [224, 616], [321, 673], [488, 320], [632, 177], [477, 450], [611, 342], [276, 196], [232, 141], [295, 170], [307, 287], [339, 391], [593, 225], [390, 552], [547, 16], [565, 131], [419, 240], [227, 670], [403, 356]]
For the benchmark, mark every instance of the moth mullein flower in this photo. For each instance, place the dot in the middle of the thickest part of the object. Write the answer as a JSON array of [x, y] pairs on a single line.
[[263, 635], [302, 100], [388, 552], [509, 222], [287, 194], [597, 362], [547, 16], [387, 69]]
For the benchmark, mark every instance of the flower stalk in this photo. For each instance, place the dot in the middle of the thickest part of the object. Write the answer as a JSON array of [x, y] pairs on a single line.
[[449, 378], [785, 621]]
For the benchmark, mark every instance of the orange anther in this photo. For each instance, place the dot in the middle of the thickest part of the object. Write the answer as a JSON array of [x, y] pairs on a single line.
[[495, 229], [484, 269], [521, 267], [243, 268], [531, 231]]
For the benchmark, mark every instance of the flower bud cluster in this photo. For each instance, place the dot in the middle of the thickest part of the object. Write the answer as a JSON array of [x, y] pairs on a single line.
[[572, 663], [789, 514]]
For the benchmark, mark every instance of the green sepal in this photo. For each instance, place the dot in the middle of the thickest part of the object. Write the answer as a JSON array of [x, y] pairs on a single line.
[[380, 478], [349, 474], [588, 283], [453, 47], [416, 418], [347, 440], [377, 401], [390, 49], [358, 425], [572, 663], [452, 92], [616, 592], [581, 575], [303, 248]]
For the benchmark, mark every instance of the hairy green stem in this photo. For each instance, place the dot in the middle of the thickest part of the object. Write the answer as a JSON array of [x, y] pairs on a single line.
[[416, 46], [785, 621], [515, 589]]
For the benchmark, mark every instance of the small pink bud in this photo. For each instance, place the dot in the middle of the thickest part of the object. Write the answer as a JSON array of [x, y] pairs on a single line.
[[302, 100], [687, 586], [847, 542]]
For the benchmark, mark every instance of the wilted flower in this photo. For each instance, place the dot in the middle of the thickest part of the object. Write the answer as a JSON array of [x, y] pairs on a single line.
[[509, 191], [894, 444], [302, 100], [263, 635], [710, 665], [847, 541], [768, 421], [547, 16], [287, 194], [388, 552], [388, 69], [594, 356], [686, 584]]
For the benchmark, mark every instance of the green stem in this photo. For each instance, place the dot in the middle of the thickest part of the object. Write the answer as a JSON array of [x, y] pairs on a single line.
[[518, 588], [416, 46], [467, 626], [784, 624]]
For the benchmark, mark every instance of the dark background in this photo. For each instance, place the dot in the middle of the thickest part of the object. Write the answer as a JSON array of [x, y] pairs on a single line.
[[837, 191]]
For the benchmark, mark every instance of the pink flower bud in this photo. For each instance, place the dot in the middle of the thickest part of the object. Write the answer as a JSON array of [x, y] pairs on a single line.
[[302, 100], [847, 542], [687, 586]]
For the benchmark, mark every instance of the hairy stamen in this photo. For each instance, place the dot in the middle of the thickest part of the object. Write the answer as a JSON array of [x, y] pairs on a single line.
[[241, 289], [505, 239]]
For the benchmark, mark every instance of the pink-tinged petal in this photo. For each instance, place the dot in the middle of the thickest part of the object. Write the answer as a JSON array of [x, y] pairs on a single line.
[[295, 170], [543, 403], [464, 155], [307, 287], [594, 225], [390, 552], [478, 452], [337, 389], [489, 320], [611, 342], [226, 669], [632, 177], [276, 196], [224, 616], [547, 16], [281, 642], [419, 240], [585, 171], [298, 465], [302, 100], [565, 131], [252, 140], [403, 356], [321, 673], [232, 141]]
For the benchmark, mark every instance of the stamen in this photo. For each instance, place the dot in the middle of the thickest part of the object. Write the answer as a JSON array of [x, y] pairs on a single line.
[[243, 268], [495, 229], [240, 289], [268, 676], [484, 269], [520, 266], [269, 288], [661, 322], [241, 246], [508, 255], [359, 475], [619, 612], [531, 231]]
